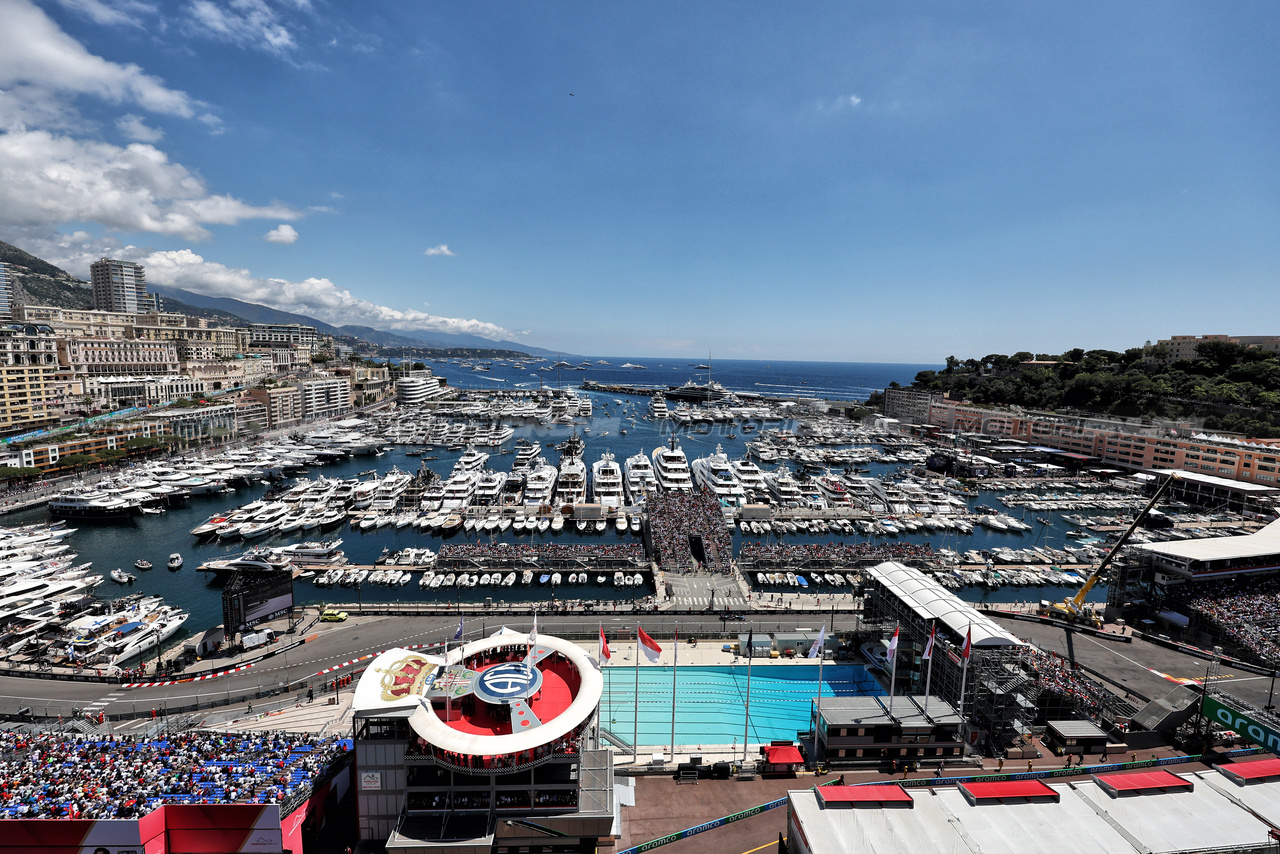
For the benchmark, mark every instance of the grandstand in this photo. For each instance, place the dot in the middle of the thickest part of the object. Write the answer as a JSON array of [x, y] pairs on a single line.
[[226, 778], [1214, 558]]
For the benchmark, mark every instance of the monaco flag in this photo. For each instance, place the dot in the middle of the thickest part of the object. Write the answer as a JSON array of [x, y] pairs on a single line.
[[893, 644], [968, 644], [603, 654], [648, 646], [928, 647]]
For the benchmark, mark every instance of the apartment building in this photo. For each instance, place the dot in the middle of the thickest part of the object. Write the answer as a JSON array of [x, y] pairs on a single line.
[[6, 292], [121, 392], [283, 405], [1181, 347], [908, 404], [411, 391], [28, 363], [324, 397], [121, 286], [268, 334], [1130, 445], [118, 356], [105, 437]]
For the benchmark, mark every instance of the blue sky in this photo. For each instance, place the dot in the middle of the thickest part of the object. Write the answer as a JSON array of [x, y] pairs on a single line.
[[848, 182]]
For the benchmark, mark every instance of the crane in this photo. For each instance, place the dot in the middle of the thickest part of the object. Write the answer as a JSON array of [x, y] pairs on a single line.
[[1072, 608]]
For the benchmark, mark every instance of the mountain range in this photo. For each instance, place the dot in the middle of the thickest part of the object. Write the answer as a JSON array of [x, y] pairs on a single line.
[[38, 282]]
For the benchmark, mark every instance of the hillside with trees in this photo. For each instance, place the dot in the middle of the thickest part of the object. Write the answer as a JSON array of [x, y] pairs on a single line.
[[1228, 387]]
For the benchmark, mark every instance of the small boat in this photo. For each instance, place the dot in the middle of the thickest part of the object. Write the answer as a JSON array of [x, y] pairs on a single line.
[[175, 561], [544, 578], [142, 563], [120, 576]]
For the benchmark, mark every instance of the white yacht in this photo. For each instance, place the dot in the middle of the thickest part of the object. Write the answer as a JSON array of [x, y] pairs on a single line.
[[459, 489], [540, 485], [489, 488], [783, 487], [658, 406], [471, 460], [714, 474], [671, 468], [571, 483], [640, 479], [751, 477], [606, 481]]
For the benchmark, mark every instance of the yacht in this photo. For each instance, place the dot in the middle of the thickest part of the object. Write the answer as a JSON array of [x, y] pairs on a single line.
[[540, 483], [489, 488], [459, 489], [571, 483], [751, 477], [82, 502], [714, 474], [671, 468], [783, 487], [606, 481], [471, 460], [640, 479], [658, 407]]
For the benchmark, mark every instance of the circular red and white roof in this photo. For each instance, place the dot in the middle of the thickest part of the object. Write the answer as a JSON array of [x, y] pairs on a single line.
[[514, 697]]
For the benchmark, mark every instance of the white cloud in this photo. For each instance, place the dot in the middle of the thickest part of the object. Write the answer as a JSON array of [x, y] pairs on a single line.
[[838, 104], [53, 179], [283, 233], [442, 249], [40, 66], [136, 129], [246, 23], [316, 297], [127, 13]]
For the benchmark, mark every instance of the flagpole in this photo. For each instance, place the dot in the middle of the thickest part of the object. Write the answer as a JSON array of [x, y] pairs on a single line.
[[675, 665], [817, 718], [964, 675], [635, 735], [928, 673], [893, 669], [746, 717]]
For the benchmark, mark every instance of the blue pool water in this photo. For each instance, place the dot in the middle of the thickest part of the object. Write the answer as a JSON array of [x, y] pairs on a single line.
[[711, 701]]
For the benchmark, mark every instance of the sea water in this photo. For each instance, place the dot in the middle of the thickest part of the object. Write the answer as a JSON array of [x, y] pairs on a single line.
[[155, 537]]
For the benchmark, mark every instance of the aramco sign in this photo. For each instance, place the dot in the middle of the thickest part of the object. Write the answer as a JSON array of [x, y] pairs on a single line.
[[1242, 724]]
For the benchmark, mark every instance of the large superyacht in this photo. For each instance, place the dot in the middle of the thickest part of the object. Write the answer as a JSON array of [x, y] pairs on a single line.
[[606, 481], [714, 474], [640, 479], [671, 468]]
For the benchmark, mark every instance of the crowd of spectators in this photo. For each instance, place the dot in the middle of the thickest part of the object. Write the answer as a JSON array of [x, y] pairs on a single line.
[[58, 775], [1055, 675], [1246, 613], [754, 555], [527, 555], [676, 517]]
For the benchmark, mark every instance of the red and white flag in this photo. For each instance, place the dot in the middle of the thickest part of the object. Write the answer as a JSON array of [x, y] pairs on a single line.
[[928, 647], [968, 644], [603, 653], [893, 644], [648, 646]]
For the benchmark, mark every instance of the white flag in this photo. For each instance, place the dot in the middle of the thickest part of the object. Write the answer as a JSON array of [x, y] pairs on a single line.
[[816, 649]]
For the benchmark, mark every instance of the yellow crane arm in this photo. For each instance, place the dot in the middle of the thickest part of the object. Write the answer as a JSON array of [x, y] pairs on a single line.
[[1075, 602]]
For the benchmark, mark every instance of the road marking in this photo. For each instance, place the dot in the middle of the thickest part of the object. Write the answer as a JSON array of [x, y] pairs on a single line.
[[762, 847]]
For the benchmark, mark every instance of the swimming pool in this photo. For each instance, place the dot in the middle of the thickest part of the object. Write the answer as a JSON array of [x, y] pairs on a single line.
[[711, 701]]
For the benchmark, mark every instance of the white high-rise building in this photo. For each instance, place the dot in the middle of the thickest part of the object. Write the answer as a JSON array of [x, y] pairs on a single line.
[[121, 286], [6, 293]]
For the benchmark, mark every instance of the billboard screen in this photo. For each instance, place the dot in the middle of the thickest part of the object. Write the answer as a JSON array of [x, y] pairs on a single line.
[[248, 601]]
